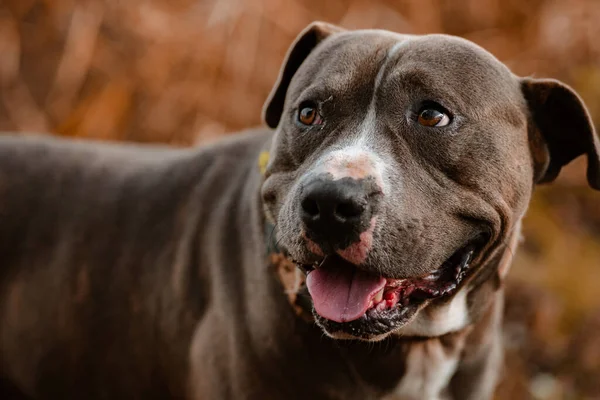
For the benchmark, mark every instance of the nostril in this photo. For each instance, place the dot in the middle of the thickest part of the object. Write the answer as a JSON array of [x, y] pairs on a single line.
[[310, 207], [350, 209]]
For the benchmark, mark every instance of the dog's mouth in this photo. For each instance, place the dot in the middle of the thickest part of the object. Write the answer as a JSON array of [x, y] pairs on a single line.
[[351, 301]]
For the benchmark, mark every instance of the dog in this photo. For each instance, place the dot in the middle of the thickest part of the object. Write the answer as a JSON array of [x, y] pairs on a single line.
[[355, 250]]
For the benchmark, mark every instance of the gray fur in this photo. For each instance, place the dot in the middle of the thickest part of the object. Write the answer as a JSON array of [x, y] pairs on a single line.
[[135, 272]]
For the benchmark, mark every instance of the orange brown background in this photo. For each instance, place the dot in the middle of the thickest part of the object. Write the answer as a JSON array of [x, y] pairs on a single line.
[[187, 72]]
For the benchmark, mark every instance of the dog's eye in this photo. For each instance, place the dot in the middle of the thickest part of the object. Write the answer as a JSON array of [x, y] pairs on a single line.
[[308, 114], [433, 116]]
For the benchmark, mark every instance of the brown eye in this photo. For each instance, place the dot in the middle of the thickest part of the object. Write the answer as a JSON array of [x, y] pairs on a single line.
[[433, 117], [308, 114]]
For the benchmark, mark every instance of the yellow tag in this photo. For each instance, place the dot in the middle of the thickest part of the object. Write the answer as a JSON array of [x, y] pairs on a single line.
[[263, 160]]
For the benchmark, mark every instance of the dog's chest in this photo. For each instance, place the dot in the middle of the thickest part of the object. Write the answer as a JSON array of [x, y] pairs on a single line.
[[430, 364]]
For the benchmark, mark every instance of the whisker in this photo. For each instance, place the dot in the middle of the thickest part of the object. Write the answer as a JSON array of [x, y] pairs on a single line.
[[323, 261]]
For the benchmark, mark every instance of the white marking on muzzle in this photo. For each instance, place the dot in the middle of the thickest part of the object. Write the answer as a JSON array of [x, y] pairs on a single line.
[[352, 162]]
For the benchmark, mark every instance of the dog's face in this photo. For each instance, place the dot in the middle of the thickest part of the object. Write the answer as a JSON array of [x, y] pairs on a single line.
[[401, 166]]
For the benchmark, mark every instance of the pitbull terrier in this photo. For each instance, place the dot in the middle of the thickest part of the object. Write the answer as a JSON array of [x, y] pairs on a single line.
[[394, 183]]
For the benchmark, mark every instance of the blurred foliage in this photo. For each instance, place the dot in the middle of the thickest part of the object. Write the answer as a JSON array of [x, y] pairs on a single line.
[[183, 72]]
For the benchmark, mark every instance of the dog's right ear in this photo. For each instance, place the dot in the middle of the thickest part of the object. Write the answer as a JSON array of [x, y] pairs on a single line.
[[308, 39]]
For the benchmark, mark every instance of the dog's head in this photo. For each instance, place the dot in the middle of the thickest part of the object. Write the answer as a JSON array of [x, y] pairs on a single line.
[[401, 167]]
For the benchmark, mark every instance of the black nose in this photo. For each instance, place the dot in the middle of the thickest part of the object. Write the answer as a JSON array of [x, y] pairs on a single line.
[[335, 212]]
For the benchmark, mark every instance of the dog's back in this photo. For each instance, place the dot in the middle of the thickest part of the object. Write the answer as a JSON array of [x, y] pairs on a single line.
[[98, 274]]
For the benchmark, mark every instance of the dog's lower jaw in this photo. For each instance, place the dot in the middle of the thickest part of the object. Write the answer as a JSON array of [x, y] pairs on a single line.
[[341, 335], [346, 336]]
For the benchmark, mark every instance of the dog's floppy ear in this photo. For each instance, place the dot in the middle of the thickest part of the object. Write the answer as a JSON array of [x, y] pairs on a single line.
[[560, 130], [306, 41]]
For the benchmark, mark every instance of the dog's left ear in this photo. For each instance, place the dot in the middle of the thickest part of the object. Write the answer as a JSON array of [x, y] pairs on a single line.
[[560, 130], [306, 41]]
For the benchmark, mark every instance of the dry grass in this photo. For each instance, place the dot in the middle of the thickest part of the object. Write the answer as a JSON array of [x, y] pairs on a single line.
[[183, 71]]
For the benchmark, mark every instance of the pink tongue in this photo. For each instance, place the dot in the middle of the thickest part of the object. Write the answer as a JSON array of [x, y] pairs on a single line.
[[341, 292]]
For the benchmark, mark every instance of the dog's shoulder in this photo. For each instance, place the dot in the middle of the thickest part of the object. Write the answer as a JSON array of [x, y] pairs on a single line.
[[240, 145]]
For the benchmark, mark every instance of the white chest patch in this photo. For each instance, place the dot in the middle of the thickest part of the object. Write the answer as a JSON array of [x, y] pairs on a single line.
[[429, 369], [439, 320]]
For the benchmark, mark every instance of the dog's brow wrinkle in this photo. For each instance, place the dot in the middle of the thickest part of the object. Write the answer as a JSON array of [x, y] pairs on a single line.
[[370, 116], [367, 126], [388, 58]]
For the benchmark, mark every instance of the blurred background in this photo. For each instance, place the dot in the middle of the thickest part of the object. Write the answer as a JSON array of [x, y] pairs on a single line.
[[187, 72]]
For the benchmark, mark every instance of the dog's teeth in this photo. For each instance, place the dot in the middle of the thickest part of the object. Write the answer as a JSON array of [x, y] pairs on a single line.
[[433, 276], [395, 282], [378, 297]]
